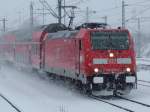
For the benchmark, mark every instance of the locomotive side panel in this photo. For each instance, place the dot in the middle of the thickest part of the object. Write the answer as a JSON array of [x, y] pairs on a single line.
[[61, 56]]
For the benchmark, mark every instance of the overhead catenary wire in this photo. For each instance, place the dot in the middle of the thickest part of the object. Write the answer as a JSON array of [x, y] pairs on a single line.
[[48, 7], [141, 12], [143, 2], [107, 10], [77, 2]]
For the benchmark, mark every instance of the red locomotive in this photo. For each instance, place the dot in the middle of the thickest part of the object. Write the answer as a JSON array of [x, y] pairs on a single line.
[[99, 59]]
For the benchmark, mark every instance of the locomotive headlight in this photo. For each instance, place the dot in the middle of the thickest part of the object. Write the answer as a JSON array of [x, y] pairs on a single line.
[[111, 55], [128, 69], [96, 70]]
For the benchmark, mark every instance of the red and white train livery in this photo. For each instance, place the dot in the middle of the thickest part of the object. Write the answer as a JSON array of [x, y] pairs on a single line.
[[101, 60]]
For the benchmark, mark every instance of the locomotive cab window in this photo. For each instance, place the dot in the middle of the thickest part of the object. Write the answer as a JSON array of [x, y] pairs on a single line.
[[110, 40]]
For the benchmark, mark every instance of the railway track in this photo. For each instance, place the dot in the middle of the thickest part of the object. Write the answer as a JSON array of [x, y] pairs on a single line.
[[143, 63], [144, 83], [112, 104], [134, 101], [121, 107], [143, 67], [10, 103]]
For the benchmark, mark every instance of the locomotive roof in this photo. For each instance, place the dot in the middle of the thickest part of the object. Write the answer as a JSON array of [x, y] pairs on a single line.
[[73, 33], [63, 34], [56, 30], [92, 25]]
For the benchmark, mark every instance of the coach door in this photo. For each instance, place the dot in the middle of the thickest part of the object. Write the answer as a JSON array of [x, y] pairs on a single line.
[[78, 50]]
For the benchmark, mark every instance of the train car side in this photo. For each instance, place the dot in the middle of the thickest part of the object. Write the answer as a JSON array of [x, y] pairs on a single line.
[[62, 56], [100, 60]]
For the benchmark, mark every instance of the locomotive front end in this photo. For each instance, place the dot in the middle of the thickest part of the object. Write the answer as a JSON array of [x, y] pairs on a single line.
[[111, 62]]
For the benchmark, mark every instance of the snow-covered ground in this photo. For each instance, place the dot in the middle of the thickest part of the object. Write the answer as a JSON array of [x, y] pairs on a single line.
[[32, 93]]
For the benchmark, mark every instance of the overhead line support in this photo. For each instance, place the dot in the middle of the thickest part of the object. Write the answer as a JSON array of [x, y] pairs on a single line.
[[4, 24]]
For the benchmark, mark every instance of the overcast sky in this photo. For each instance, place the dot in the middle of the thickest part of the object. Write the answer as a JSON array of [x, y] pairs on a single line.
[[17, 11]]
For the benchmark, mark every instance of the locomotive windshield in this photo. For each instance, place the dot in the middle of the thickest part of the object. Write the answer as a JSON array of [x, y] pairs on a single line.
[[110, 40]]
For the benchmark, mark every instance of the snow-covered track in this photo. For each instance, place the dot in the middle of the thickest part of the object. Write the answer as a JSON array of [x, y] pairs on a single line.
[[144, 83], [143, 63], [137, 102], [112, 104], [143, 66], [10, 103]]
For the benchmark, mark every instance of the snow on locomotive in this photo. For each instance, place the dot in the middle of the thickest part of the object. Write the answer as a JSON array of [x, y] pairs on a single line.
[[100, 60]]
